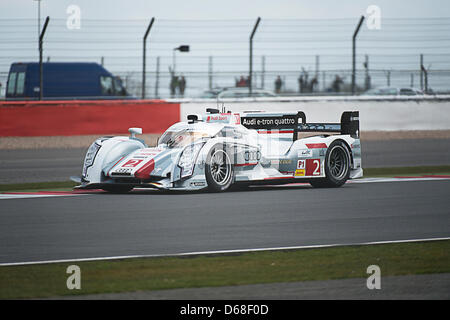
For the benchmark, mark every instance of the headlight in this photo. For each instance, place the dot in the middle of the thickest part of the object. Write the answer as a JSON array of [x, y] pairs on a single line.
[[187, 159], [90, 157]]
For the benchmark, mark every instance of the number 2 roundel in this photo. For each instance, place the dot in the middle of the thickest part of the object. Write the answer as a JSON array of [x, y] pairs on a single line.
[[131, 163]]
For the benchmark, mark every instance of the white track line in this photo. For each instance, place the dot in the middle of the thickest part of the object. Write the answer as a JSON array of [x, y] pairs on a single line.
[[371, 180], [183, 254]]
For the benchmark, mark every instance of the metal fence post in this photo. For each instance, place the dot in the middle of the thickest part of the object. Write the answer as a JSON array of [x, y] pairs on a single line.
[[250, 75], [157, 78], [317, 72], [41, 66], [367, 83], [263, 70], [354, 54], [421, 72], [210, 72], [144, 55]]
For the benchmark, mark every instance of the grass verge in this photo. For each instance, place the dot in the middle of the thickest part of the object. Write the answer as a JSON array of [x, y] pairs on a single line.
[[47, 280], [405, 171]]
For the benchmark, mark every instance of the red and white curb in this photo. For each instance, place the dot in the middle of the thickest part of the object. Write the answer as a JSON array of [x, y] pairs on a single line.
[[42, 194]]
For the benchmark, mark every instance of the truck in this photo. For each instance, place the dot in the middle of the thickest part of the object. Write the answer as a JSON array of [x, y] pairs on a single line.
[[63, 80]]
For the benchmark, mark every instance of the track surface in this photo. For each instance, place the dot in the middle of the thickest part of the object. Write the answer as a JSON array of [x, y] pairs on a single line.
[[150, 222], [18, 166]]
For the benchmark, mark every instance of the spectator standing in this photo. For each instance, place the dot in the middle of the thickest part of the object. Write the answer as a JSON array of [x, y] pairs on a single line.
[[173, 85], [182, 85], [337, 84], [278, 84]]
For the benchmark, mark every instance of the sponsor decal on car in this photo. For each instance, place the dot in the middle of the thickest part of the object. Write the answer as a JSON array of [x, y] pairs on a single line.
[[132, 163], [301, 164], [198, 184], [252, 155], [280, 161], [300, 172], [223, 118], [306, 153], [274, 122]]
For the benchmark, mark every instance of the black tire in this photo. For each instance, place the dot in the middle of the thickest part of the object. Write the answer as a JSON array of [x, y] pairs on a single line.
[[337, 167], [117, 189], [219, 170]]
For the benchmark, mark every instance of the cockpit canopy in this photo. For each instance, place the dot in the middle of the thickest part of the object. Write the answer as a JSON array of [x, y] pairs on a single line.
[[182, 133]]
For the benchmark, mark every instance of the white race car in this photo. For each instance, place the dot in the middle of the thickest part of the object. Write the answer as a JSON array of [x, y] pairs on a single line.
[[218, 150]]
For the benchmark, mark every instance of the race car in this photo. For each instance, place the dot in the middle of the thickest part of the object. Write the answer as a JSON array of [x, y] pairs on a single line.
[[218, 150]]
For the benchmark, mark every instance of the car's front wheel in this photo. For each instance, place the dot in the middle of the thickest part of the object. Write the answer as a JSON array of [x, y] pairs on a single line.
[[337, 167], [219, 169]]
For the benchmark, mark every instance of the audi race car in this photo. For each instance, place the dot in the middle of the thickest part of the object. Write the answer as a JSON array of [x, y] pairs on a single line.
[[216, 151]]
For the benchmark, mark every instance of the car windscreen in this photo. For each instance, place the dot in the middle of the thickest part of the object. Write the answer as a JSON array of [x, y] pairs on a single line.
[[181, 138]]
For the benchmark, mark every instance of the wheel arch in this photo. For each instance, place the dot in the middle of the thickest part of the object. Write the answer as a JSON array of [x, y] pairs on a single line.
[[349, 149]]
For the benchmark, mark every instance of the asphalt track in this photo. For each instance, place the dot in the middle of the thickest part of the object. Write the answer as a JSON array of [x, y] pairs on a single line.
[[151, 222], [18, 166]]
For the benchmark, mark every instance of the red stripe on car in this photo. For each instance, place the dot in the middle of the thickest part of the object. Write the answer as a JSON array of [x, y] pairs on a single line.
[[144, 172], [245, 164], [276, 178], [316, 145]]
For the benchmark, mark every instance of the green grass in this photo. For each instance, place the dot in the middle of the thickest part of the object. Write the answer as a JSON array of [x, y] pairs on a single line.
[[369, 172], [47, 280], [405, 171]]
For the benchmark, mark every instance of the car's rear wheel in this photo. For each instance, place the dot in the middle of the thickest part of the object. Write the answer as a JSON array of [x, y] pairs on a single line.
[[117, 189], [219, 169], [337, 167]]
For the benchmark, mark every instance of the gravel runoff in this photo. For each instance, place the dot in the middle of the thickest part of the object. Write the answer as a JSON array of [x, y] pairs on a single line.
[[69, 142]]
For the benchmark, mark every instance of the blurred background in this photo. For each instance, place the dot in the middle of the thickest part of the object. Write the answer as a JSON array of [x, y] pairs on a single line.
[[301, 56]]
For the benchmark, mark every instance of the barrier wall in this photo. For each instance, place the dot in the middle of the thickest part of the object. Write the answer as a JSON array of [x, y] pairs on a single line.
[[66, 118]]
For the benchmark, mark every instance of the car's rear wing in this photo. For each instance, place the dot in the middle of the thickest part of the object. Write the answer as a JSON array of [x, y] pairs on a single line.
[[349, 124], [297, 122]]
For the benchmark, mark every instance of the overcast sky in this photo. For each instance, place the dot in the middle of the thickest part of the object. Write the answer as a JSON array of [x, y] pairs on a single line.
[[229, 9], [120, 43]]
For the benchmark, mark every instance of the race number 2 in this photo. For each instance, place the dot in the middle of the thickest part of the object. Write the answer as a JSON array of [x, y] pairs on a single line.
[[313, 167], [131, 163]]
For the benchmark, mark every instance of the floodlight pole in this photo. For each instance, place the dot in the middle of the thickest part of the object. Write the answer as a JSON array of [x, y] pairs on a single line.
[[354, 54], [41, 66], [144, 55], [250, 75]]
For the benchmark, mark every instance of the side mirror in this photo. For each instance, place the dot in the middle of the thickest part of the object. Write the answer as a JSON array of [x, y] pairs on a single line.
[[134, 132]]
